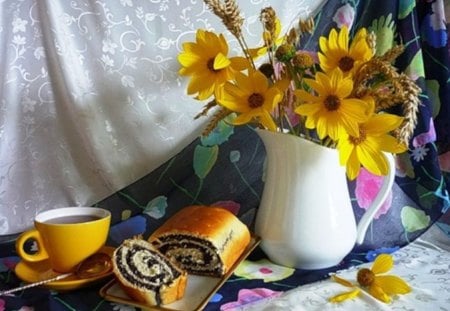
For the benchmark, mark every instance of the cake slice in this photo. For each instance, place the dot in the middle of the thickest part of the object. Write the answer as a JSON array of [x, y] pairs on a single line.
[[203, 240], [147, 276]]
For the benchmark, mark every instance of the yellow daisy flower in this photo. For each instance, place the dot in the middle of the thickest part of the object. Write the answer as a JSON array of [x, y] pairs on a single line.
[[367, 148], [379, 286], [336, 52], [331, 111], [251, 97], [207, 63]]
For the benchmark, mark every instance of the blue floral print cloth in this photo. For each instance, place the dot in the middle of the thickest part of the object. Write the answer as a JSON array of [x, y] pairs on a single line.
[[227, 168]]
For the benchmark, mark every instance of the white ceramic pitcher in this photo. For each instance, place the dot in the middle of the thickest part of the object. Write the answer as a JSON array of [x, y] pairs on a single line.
[[305, 219]]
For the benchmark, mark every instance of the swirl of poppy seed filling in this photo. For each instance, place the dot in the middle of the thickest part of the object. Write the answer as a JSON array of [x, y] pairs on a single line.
[[195, 255], [144, 268]]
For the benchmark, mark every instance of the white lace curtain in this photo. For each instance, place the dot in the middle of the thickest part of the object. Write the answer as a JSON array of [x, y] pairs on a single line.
[[90, 98]]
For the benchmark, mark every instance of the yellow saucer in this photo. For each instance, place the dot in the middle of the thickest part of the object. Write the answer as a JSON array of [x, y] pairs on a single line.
[[31, 272]]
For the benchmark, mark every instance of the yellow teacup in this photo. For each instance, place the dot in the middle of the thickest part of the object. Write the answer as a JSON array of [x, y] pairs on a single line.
[[66, 236]]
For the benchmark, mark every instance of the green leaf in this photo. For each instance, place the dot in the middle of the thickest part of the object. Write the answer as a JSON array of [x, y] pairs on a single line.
[[204, 160], [414, 219], [433, 94], [156, 208], [219, 135], [405, 8], [416, 68]]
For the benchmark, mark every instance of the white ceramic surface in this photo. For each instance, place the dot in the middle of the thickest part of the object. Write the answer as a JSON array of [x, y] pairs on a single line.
[[305, 219]]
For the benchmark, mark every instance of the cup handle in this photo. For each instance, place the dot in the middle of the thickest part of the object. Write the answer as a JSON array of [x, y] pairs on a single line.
[[40, 255], [386, 186]]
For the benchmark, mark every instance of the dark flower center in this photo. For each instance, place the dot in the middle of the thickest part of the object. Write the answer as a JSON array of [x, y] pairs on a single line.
[[210, 65], [332, 102], [365, 277], [266, 69], [358, 140], [255, 100], [346, 63]]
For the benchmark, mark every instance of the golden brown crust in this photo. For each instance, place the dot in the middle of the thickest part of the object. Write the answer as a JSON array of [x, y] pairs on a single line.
[[215, 224], [167, 294]]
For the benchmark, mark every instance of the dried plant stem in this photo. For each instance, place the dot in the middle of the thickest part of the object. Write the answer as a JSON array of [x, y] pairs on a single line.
[[211, 104], [221, 114], [229, 13], [268, 18], [394, 89], [410, 109]]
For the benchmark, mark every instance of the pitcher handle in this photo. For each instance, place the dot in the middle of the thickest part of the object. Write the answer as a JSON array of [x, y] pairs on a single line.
[[386, 186]]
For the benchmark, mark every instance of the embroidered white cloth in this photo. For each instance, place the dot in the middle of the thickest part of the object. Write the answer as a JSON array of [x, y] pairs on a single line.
[[423, 264], [90, 96]]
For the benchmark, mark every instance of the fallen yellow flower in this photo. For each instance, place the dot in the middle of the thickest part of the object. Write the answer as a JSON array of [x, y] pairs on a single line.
[[382, 287]]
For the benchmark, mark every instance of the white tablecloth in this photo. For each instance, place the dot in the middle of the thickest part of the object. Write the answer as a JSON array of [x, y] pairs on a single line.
[[423, 264]]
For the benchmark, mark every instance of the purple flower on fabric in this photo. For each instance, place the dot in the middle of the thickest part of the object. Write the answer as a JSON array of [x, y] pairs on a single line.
[[344, 16], [427, 137], [246, 296], [371, 255], [367, 187], [2, 305]]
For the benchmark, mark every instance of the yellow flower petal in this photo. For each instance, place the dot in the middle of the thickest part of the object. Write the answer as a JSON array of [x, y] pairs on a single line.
[[392, 284], [239, 63], [353, 166], [259, 82], [257, 52], [345, 149], [343, 37], [221, 62], [377, 292], [348, 295], [304, 96], [342, 281], [390, 144], [307, 109], [382, 264], [372, 159], [267, 121], [383, 123]]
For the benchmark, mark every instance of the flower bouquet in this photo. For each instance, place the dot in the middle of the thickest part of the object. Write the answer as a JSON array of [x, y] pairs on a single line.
[[338, 96]]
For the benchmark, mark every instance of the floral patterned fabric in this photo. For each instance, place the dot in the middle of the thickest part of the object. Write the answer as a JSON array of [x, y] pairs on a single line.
[[227, 168]]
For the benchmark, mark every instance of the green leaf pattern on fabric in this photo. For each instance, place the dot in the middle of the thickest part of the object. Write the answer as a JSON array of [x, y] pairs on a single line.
[[204, 160], [156, 208], [416, 69], [405, 8], [221, 134], [385, 31], [263, 269], [414, 219], [433, 94]]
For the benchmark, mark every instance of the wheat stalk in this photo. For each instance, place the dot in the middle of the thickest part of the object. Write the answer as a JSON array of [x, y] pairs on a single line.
[[395, 89], [229, 13], [221, 114]]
